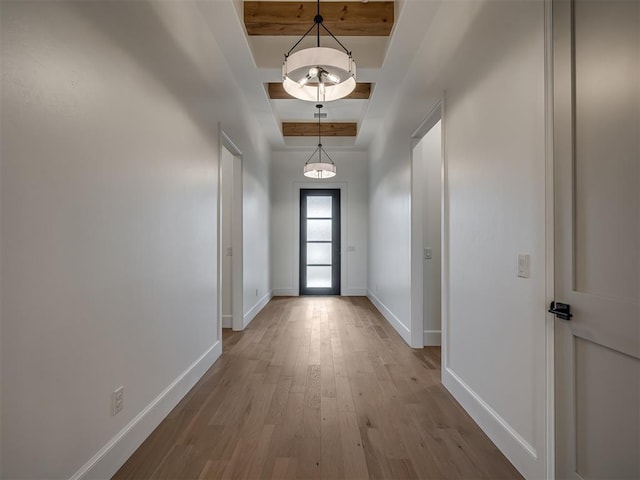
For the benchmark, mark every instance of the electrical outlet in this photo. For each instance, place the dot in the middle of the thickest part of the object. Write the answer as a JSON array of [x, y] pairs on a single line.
[[428, 254], [117, 401]]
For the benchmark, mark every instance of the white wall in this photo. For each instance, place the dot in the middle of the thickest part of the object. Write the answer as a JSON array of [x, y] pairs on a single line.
[[256, 268], [110, 117], [287, 179], [492, 68], [389, 260]]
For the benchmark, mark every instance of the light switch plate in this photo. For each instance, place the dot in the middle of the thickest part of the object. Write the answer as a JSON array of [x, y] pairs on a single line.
[[428, 254], [524, 265]]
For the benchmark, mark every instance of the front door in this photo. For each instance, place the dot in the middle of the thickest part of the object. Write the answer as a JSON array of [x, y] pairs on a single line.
[[319, 242], [597, 269]]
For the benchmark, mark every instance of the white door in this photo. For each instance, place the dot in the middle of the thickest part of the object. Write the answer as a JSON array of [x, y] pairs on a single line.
[[597, 157], [226, 237], [230, 236]]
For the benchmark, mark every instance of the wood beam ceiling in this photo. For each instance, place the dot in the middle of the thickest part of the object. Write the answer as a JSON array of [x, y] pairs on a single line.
[[373, 19], [361, 92], [327, 129]]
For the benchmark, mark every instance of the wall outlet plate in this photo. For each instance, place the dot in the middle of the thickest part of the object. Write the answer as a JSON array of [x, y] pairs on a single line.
[[117, 400]]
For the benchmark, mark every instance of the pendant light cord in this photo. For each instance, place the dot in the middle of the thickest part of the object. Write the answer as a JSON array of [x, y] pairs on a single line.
[[317, 23], [320, 150], [300, 40], [338, 41], [319, 134], [319, 137]]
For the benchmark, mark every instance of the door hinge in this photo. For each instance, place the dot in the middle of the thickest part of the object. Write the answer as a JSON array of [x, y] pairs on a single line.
[[561, 310]]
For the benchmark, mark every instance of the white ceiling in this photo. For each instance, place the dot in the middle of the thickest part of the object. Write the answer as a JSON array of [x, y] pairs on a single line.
[[383, 61]]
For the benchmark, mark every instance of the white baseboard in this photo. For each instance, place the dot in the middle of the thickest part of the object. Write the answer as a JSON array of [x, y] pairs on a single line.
[[520, 453], [350, 292], [395, 322], [432, 338], [114, 454], [251, 314], [227, 321], [285, 292]]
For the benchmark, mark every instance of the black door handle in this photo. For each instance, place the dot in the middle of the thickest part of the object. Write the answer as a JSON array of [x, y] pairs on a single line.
[[561, 310]]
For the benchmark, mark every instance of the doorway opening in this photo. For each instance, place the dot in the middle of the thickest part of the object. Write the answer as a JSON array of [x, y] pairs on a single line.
[[319, 241], [426, 232], [230, 237]]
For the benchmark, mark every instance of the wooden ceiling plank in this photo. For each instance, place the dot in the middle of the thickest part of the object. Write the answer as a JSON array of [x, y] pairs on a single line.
[[373, 19], [361, 92], [327, 129]]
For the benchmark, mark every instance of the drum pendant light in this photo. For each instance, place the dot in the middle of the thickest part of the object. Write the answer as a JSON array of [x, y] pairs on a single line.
[[319, 74]]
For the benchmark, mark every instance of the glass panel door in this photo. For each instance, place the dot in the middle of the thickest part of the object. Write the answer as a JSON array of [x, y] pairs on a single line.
[[319, 242]]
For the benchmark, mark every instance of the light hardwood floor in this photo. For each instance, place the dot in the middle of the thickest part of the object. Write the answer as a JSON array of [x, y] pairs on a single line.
[[319, 387]]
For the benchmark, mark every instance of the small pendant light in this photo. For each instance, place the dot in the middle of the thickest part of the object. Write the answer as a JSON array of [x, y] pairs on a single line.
[[319, 169]]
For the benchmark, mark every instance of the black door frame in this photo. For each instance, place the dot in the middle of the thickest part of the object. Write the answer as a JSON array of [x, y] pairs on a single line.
[[334, 193]]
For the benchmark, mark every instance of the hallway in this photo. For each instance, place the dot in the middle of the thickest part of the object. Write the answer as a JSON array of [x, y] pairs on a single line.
[[319, 387]]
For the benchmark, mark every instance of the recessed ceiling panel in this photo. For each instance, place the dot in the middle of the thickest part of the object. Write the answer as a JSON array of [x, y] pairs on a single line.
[[326, 129], [328, 142], [341, 18]]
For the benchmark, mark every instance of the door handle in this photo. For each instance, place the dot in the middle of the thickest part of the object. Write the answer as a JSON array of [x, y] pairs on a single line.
[[561, 310]]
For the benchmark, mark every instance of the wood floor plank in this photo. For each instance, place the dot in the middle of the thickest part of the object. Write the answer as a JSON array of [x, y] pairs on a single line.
[[309, 457], [213, 470], [235, 462], [225, 443], [327, 371], [332, 461], [259, 451], [284, 468], [273, 374], [286, 436], [343, 394], [173, 463], [375, 454], [312, 387], [355, 464], [278, 405], [422, 457], [319, 387], [302, 361], [402, 469]]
